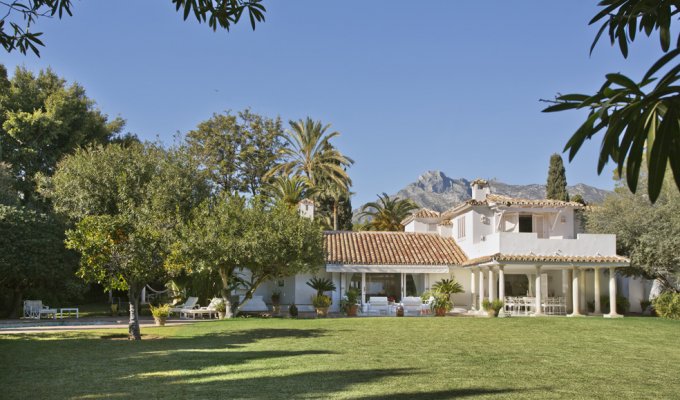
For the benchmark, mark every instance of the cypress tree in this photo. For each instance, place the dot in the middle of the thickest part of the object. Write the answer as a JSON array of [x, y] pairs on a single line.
[[556, 187]]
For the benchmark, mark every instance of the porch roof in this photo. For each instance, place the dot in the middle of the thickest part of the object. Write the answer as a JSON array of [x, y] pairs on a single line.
[[391, 249], [499, 258]]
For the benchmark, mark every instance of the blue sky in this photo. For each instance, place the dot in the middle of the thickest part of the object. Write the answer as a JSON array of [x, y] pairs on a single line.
[[451, 86]]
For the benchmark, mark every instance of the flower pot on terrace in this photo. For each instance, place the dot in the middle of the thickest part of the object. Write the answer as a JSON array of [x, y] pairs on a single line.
[[322, 312], [440, 312], [160, 321]]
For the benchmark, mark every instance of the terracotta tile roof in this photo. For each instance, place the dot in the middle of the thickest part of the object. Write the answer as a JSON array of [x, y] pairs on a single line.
[[546, 259], [391, 248], [446, 222], [422, 213], [497, 198]]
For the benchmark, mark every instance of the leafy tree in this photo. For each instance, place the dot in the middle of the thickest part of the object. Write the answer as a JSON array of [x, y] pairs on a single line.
[[335, 211], [33, 256], [648, 233], [8, 195], [41, 120], [638, 118], [129, 202], [228, 236], [387, 213], [310, 153], [20, 15], [289, 190], [237, 150], [556, 187]]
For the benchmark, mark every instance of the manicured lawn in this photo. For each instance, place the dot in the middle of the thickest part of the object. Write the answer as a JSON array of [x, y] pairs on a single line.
[[395, 358]]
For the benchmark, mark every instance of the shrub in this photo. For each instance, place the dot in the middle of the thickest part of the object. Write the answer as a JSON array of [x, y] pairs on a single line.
[[221, 306], [293, 310], [161, 311], [441, 301], [622, 304], [321, 301], [426, 296], [667, 305]]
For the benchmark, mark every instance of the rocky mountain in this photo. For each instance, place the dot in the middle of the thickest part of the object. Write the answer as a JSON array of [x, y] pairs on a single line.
[[439, 192]]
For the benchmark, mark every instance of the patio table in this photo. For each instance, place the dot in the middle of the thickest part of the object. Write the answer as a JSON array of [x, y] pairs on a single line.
[[69, 311]]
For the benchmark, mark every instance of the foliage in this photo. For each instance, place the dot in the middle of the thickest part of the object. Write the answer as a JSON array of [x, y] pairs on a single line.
[[321, 285], [33, 259], [426, 295], [649, 234], [276, 296], [667, 305], [447, 287], [289, 190], [221, 306], [161, 311], [496, 305], [622, 304], [8, 194], [321, 301], [351, 299], [128, 202], [387, 213], [556, 187], [644, 305], [577, 198], [237, 150], [441, 301], [42, 119], [293, 310], [21, 15], [335, 210], [638, 119]]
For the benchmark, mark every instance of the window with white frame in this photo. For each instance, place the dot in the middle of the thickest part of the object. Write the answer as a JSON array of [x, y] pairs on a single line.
[[460, 222]]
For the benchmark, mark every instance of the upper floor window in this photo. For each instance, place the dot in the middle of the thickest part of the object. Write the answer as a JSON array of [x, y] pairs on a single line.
[[460, 222], [526, 223]]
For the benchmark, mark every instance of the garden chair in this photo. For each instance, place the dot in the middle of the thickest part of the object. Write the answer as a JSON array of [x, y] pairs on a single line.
[[210, 310], [378, 304], [36, 309], [412, 304], [192, 302]]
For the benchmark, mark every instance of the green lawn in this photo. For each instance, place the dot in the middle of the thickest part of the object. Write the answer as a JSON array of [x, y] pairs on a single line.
[[360, 358]]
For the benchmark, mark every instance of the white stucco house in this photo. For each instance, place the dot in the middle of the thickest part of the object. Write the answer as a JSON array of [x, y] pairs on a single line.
[[495, 246]]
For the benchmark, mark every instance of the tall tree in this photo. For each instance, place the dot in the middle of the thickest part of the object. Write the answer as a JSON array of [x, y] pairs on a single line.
[[309, 152], [641, 120], [129, 202], [8, 194], [556, 187], [387, 213], [20, 15], [648, 233], [237, 150], [42, 119], [335, 210], [289, 190]]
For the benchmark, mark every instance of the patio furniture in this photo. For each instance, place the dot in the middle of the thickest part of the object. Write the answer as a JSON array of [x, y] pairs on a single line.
[[425, 307], [210, 310], [412, 305], [70, 311], [188, 305], [378, 304], [36, 309]]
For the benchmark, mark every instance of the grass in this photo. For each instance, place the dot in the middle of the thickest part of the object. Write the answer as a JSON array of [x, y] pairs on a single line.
[[365, 358]]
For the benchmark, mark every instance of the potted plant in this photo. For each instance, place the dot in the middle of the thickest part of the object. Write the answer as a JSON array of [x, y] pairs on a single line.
[[160, 313], [448, 287], [441, 304], [321, 303], [221, 308], [349, 304], [293, 310], [276, 302], [492, 307]]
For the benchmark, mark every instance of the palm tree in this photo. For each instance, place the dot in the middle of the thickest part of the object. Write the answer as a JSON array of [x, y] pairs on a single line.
[[309, 152], [290, 190], [387, 213]]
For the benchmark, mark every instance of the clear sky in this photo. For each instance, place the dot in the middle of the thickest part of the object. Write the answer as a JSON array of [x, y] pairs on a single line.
[[445, 85]]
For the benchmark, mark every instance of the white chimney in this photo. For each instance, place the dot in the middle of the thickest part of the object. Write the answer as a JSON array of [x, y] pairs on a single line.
[[480, 188]]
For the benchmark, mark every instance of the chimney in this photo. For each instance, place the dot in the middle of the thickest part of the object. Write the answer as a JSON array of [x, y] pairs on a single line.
[[306, 208], [480, 188]]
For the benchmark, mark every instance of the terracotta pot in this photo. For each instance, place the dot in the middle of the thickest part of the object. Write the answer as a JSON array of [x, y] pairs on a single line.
[[491, 313], [322, 312], [352, 310], [440, 312], [221, 314], [160, 321]]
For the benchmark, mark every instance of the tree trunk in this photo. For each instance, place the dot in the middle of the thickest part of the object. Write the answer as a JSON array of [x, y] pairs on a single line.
[[133, 326], [15, 310], [225, 273], [335, 215]]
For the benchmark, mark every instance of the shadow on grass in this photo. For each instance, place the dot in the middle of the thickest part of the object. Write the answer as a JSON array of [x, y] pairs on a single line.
[[439, 395]]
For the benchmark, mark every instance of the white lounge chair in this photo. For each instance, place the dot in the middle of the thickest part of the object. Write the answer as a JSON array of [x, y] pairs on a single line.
[[412, 305], [191, 303], [210, 310], [378, 305], [36, 309]]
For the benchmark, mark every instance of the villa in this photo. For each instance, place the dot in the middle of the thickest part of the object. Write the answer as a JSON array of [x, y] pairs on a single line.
[[495, 246]]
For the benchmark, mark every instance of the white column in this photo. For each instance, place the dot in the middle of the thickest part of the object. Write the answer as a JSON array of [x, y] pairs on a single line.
[[612, 295], [596, 283], [492, 281], [473, 290], [575, 295], [582, 289], [501, 282], [481, 288], [539, 291], [566, 277], [363, 290], [403, 285]]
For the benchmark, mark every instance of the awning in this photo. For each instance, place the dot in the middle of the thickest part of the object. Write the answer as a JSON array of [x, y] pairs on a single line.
[[377, 269]]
